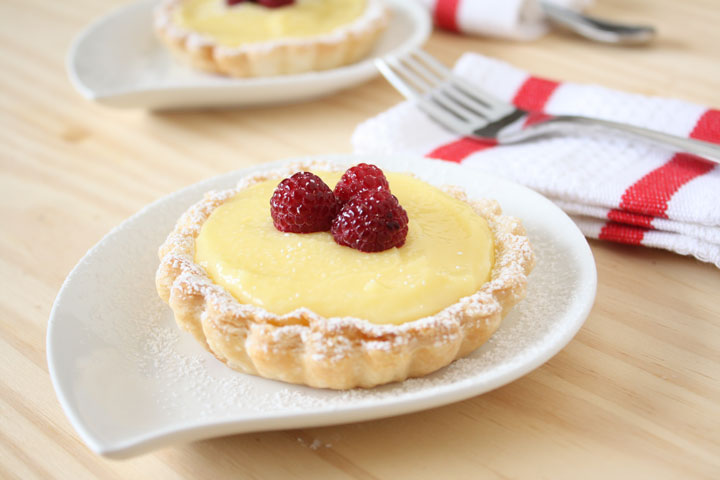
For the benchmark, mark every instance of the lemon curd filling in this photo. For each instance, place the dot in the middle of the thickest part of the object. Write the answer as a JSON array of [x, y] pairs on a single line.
[[249, 22], [448, 255]]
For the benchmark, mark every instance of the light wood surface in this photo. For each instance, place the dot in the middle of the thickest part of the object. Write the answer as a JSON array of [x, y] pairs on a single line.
[[635, 395]]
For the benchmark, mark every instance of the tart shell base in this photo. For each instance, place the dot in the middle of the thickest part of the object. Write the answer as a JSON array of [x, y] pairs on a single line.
[[338, 353]]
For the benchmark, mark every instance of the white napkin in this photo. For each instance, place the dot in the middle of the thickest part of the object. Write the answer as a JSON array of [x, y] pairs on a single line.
[[615, 188], [515, 19]]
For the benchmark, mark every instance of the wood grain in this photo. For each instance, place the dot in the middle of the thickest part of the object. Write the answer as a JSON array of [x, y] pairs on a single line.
[[635, 395]]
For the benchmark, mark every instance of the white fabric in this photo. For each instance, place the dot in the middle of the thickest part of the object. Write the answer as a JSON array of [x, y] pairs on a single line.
[[678, 243], [586, 175]]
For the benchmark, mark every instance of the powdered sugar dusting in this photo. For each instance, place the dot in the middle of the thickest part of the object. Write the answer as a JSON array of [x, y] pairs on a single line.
[[205, 379]]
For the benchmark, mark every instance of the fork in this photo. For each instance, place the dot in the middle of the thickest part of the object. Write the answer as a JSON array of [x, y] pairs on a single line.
[[469, 111]]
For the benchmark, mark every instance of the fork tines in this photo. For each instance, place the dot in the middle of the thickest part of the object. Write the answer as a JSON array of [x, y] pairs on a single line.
[[447, 98]]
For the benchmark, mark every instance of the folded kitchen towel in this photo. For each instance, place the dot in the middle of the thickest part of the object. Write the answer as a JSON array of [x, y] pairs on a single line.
[[516, 19], [615, 187]]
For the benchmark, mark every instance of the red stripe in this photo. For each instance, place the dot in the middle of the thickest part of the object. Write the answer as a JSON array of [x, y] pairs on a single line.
[[621, 216], [534, 92], [617, 232], [459, 149], [652, 193], [446, 14], [708, 127]]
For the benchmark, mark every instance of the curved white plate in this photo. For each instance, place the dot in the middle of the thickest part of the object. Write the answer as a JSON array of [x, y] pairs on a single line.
[[117, 61], [130, 381]]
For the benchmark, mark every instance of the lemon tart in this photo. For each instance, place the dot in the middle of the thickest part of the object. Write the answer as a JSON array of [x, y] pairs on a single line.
[[303, 309], [248, 39]]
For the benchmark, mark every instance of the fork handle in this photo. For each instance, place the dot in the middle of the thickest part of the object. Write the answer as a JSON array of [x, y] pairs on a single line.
[[707, 150]]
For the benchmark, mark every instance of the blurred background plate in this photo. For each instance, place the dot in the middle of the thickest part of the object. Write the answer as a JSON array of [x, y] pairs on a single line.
[[117, 61]]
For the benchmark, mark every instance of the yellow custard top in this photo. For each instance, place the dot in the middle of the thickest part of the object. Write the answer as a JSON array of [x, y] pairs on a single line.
[[249, 22], [448, 255]]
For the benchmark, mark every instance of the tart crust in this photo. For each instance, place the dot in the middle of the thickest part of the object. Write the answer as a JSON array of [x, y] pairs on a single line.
[[338, 353], [342, 46]]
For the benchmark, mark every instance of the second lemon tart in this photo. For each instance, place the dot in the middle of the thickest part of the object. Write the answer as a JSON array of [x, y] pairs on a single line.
[[249, 39]]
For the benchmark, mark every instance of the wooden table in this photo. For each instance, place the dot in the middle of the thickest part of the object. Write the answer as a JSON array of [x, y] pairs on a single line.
[[635, 395]]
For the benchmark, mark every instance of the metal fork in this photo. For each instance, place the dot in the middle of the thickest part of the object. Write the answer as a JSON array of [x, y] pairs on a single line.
[[467, 110]]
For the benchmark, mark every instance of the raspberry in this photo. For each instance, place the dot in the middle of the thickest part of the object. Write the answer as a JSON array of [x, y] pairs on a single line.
[[372, 221], [360, 178], [303, 203]]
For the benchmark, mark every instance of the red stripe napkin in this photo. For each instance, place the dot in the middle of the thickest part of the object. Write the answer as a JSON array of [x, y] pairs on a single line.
[[517, 19], [614, 187]]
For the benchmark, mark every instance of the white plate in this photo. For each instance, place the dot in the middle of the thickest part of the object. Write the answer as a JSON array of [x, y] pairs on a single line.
[[117, 61], [130, 381]]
